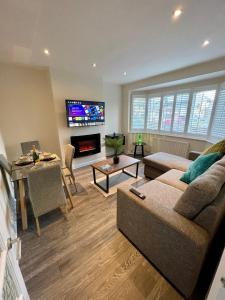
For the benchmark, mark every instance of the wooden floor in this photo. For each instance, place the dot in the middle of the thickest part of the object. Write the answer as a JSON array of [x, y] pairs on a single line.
[[87, 257]]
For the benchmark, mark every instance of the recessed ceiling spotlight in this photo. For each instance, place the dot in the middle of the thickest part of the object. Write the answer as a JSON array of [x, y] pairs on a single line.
[[46, 52], [94, 65], [205, 43], [124, 73], [177, 13]]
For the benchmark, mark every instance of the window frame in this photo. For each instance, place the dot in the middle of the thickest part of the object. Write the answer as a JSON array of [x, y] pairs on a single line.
[[160, 111], [199, 90], [131, 113], [187, 116], [176, 92], [162, 97], [220, 87]]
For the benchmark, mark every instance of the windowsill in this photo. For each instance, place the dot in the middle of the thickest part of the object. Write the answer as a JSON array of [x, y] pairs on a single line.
[[182, 136]]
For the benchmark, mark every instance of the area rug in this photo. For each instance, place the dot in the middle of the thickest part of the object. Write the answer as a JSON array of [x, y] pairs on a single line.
[[81, 191], [116, 180]]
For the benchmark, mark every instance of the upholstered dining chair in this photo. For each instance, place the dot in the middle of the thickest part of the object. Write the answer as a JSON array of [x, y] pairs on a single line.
[[46, 191], [68, 170], [27, 146]]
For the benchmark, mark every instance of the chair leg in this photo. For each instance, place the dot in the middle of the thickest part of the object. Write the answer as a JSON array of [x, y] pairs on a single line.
[[67, 191], [38, 227], [74, 182], [66, 213]]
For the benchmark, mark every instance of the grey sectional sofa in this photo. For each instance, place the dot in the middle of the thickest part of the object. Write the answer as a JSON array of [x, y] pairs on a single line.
[[176, 245]]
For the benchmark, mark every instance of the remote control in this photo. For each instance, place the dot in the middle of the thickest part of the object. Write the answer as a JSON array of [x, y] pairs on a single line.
[[137, 193]]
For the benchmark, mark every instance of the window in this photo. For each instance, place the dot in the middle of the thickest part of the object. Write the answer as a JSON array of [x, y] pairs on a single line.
[[218, 126], [202, 104], [193, 113], [167, 112], [138, 113], [153, 113], [180, 112]]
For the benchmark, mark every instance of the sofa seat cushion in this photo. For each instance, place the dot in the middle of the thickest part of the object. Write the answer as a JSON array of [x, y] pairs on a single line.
[[165, 161], [160, 194], [172, 178]]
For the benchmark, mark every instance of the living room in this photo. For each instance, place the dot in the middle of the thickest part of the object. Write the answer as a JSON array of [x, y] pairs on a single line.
[[119, 100]]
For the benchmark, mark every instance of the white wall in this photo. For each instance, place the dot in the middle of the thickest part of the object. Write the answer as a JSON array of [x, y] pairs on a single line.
[[66, 85], [26, 109], [112, 94], [32, 102]]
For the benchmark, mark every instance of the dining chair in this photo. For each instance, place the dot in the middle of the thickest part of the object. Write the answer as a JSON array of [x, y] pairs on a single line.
[[68, 170], [27, 146], [46, 191]]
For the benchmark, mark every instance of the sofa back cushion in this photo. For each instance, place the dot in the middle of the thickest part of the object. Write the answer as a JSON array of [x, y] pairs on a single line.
[[218, 147], [202, 191], [211, 217]]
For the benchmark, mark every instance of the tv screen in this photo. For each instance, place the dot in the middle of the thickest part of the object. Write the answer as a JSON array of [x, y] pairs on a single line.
[[85, 113]]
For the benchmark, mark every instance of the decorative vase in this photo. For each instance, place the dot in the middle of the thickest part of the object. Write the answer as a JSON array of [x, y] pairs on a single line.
[[116, 159], [139, 139]]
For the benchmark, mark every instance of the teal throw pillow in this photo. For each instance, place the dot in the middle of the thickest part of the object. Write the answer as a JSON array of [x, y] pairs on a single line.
[[199, 166]]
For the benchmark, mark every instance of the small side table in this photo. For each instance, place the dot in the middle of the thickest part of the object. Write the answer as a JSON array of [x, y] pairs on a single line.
[[142, 149]]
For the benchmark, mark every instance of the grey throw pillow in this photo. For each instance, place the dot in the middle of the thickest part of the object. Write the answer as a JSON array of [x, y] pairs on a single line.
[[202, 191]]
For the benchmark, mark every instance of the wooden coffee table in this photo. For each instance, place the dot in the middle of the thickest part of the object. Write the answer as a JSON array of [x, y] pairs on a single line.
[[125, 162]]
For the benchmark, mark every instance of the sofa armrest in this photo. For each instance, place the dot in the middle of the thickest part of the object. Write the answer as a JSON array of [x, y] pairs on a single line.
[[194, 154], [176, 245]]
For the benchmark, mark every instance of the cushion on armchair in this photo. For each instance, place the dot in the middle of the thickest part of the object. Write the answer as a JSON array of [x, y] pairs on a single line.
[[202, 191]]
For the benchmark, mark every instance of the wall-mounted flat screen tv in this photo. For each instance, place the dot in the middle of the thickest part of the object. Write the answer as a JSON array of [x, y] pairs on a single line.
[[85, 113]]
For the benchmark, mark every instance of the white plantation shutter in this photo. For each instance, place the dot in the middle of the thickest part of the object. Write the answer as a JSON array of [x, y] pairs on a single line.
[[218, 126], [202, 104], [180, 112], [167, 112], [153, 113], [138, 113]]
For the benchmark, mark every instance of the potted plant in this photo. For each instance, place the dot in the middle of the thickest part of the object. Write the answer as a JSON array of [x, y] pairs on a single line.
[[117, 145]]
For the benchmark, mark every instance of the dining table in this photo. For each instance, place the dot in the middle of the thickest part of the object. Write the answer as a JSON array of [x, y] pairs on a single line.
[[19, 174]]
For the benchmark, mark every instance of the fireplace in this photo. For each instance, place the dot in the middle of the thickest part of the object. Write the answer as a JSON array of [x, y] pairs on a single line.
[[86, 144]]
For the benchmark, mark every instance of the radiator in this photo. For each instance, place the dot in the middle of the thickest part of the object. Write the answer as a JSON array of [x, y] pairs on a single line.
[[170, 146]]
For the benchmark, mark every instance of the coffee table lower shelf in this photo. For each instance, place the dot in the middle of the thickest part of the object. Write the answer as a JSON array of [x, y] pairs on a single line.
[[106, 190]]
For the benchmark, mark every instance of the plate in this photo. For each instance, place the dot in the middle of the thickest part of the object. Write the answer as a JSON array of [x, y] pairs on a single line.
[[23, 162], [48, 158]]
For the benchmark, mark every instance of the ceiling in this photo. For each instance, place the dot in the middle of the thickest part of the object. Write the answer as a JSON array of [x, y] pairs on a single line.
[[220, 75], [136, 36]]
